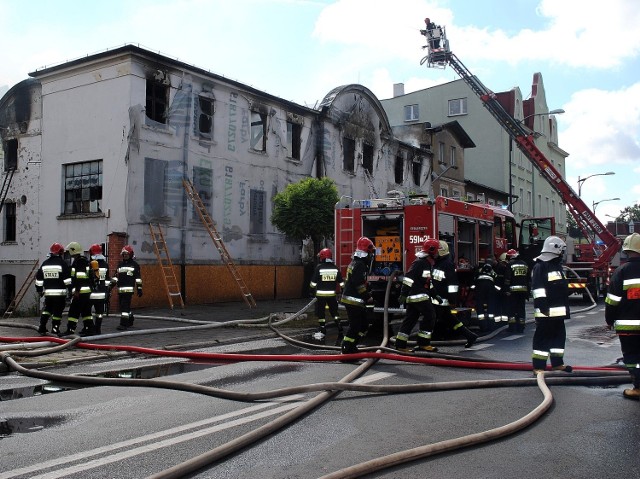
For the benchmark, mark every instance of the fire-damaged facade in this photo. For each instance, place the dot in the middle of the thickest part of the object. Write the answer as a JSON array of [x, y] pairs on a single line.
[[96, 149]]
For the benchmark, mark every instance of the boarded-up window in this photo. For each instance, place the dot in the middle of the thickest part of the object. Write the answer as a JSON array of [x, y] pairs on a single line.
[[258, 216], [203, 184], [155, 187]]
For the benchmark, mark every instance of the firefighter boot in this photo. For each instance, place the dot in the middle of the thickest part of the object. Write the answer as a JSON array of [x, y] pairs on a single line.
[[55, 326], [470, 336], [130, 321], [124, 322], [98, 327], [71, 328], [340, 333], [401, 343], [426, 347], [520, 326], [43, 325], [635, 392], [87, 328]]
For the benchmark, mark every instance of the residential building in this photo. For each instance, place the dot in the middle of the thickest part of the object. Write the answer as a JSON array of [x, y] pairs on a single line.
[[97, 149]]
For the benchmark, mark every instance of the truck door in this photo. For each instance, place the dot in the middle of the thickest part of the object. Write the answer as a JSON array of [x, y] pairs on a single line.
[[533, 232]]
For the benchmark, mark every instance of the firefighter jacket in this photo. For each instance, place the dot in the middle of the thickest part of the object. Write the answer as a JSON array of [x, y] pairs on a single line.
[[326, 279], [128, 277], [501, 270], [81, 281], [415, 284], [444, 282], [100, 277], [550, 290], [517, 278], [622, 305], [356, 289], [53, 278], [485, 282]]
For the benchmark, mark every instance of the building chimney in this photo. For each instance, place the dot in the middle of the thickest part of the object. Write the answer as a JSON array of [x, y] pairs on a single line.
[[398, 89]]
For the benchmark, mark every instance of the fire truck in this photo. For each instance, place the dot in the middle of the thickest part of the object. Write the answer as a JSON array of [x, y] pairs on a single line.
[[399, 225], [595, 265]]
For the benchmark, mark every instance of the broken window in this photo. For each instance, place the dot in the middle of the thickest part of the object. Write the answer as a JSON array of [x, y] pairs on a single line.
[[9, 222], [367, 158], [398, 167], [155, 187], [294, 140], [349, 147], [257, 217], [258, 131], [205, 118], [417, 170], [10, 155], [83, 187], [157, 100]]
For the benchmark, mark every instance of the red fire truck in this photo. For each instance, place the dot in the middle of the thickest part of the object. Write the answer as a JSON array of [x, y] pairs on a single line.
[[398, 226]]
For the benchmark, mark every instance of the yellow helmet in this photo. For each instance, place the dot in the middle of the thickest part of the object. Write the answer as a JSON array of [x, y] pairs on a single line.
[[632, 243]]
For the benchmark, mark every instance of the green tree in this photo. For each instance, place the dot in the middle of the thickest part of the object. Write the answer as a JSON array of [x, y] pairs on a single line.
[[305, 210], [629, 213]]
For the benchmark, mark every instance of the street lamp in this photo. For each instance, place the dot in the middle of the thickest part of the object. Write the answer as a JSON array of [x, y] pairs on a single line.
[[556, 111], [615, 219], [596, 203], [582, 180]]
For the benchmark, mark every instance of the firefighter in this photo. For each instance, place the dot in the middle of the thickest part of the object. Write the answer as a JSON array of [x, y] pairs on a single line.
[[517, 285], [128, 280], [327, 281], [484, 285], [415, 295], [551, 307], [101, 283], [502, 311], [356, 296], [53, 282], [444, 293], [622, 310], [81, 284]]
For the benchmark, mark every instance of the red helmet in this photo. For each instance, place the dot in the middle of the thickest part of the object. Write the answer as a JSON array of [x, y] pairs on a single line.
[[430, 247], [56, 248], [365, 244], [127, 249], [325, 254], [512, 253], [95, 249]]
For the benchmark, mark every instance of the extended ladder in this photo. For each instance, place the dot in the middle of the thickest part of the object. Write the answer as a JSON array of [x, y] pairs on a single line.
[[217, 241], [15, 302], [164, 260]]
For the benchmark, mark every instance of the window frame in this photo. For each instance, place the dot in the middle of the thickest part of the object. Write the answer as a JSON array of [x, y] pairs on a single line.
[[457, 106], [76, 174], [412, 112], [10, 222]]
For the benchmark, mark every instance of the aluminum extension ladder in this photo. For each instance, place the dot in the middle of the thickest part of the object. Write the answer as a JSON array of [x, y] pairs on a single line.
[[164, 260], [217, 241]]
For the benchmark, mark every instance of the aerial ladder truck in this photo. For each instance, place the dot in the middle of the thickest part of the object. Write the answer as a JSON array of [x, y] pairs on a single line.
[[439, 55]]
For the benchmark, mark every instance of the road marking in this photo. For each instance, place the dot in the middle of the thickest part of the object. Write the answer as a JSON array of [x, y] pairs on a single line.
[[291, 403], [513, 337]]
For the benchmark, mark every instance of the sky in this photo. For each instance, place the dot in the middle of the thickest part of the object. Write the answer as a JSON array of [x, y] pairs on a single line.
[[587, 51]]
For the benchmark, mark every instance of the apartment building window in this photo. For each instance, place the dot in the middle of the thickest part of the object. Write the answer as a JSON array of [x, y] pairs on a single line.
[[83, 187], [205, 117], [452, 156], [411, 113], [367, 157], [258, 131], [458, 107], [9, 222], [349, 147], [441, 153], [471, 197], [257, 216], [157, 100], [417, 170], [529, 202], [294, 140], [398, 167], [521, 199], [456, 194], [203, 184], [443, 191], [10, 155]]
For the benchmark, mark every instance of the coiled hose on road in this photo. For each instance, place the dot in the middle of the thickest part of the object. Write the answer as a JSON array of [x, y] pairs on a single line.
[[589, 375]]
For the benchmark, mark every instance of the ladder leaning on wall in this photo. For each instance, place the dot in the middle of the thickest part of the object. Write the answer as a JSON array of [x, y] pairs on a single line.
[[15, 302], [217, 241], [164, 260]]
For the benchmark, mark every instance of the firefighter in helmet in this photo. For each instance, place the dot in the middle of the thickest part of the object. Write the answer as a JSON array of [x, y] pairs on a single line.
[[484, 285], [517, 285], [128, 280], [551, 307], [53, 282], [101, 283], [415, 295], [327, 281], [81, 283], [356, 296], [622, 310], [444, 293]]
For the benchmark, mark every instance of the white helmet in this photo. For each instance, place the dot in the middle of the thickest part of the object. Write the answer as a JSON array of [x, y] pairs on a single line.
[[443, 250], [553, 247], [632, 243]]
